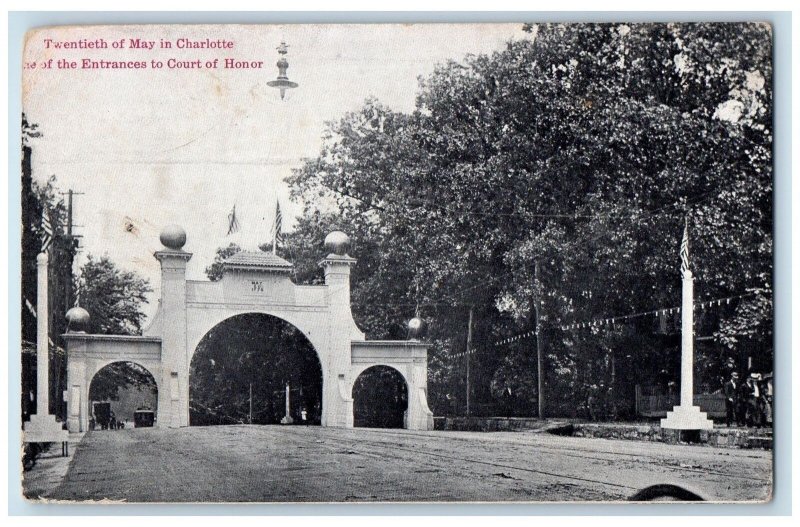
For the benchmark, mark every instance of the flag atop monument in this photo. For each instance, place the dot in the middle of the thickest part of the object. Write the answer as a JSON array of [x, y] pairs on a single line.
[[233, 223], [277, 227], [30, 307], [685, 248], [47, 228]]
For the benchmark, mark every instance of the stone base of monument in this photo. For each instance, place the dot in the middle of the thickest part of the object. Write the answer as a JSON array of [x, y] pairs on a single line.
[[287, 420], [44, 429], [687, 418], [73, 424]]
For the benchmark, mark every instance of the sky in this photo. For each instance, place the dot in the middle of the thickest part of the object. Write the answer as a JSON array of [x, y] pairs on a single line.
[[153, 147]]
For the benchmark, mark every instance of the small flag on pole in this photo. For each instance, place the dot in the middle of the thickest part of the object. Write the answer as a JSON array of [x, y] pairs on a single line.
[[47, 228], [233, 223], [30, 307], [277, 227], [685, 248]]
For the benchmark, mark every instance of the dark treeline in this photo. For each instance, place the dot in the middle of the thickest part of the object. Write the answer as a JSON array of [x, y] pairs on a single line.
[[583, 148]]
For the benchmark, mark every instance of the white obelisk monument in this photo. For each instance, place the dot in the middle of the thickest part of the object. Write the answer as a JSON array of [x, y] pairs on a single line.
[[687, 416], [43, 427], [287, 419]]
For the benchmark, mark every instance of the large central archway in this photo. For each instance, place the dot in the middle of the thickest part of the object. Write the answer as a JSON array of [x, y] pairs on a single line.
[[240, 371]]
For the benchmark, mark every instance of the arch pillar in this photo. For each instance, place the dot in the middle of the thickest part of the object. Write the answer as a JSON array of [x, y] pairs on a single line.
[[337, 400], [418, 416], [77, 388], [173, 398]]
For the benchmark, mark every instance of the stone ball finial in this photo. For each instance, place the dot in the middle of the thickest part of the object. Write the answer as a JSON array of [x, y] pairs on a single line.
[[416, 328], [173, 237], [337, 242], [77, 320]]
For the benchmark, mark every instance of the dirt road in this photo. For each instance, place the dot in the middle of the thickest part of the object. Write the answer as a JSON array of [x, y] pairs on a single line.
[[282, 464]]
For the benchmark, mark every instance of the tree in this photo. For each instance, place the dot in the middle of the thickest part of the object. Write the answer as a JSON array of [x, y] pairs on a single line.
[[113, 297], [107, 382], [214, 271], [584, 148]]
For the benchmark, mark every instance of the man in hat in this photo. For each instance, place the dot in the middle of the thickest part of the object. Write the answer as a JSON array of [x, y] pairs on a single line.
[[766, 395], [750, 397], [731, 390]]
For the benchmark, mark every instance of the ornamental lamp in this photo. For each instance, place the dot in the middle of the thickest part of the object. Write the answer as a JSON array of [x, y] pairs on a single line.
[[282, 82], [416, 328]]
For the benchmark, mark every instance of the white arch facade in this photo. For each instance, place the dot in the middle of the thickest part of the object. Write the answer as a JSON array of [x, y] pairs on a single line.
[[252, 282], [88, 354]]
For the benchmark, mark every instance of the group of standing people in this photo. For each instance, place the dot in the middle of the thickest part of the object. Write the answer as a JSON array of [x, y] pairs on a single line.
[[748, 403], [601, 403], [106, 422]]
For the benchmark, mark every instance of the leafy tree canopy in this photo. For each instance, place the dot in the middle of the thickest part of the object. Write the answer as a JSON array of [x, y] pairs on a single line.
[[214, 271], [107, 382], [112, 296], [585, 148]]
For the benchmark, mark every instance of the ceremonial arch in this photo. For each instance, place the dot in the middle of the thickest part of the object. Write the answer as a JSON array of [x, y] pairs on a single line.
[[252, 282]]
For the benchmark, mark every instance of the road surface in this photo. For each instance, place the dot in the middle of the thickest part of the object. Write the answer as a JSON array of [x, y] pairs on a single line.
[[313, 464]]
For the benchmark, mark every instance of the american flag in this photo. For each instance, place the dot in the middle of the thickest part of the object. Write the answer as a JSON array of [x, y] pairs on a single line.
[[277, 228], [30, 307], [233, 223], [685, 248], [47, 228]]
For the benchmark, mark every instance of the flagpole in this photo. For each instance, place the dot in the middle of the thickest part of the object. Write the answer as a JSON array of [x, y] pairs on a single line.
[[275, 229]]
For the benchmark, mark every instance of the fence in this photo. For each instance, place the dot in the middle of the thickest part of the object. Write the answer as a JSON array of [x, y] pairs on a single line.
[[651, 403]]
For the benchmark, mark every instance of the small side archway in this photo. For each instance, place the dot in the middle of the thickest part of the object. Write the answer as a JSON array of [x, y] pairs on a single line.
[[380, 398], [121, 393]]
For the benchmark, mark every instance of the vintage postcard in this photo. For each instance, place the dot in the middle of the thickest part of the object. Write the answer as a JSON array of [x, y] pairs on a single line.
[[519, 262]]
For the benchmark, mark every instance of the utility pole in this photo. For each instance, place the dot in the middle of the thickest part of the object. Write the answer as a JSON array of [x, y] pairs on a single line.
[[69, 213], [539, 354], [469, 351], [71, 238], [67, 286], [250, 413]]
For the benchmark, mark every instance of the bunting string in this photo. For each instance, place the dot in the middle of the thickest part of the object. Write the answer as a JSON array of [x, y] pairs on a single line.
[[602, 322], [611, 321], [462, 353], [515, 338]]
